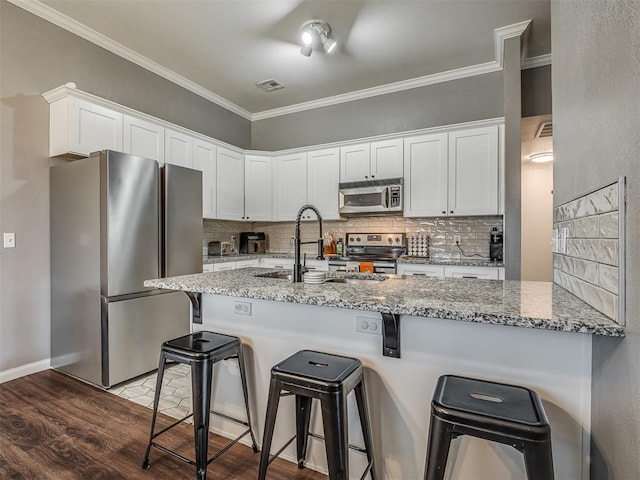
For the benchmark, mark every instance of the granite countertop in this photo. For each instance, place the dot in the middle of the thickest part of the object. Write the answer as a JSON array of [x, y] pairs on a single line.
[[412, 260], [541, 305]]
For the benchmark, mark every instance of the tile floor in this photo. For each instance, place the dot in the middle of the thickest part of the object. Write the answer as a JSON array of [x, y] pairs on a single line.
[[175, 397]]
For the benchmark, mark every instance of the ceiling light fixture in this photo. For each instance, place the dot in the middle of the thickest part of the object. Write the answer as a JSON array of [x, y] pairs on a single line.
[[541, 157], [316, 33]]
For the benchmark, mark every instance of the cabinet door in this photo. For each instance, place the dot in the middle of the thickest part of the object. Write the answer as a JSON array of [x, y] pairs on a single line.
[[421, 270], [257, 188], [425, 175], [178, 148], [386, 159], [490, 273], [93, 128], [143, 138], [220, 267], [290, 185], [207, 268], [355, 163], [473, 172], [230, 184], [204, 159], [280, 263], [323, 179]]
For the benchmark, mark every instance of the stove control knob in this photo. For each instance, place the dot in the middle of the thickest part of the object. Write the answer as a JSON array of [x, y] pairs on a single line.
[[398, 239], [351, 239], [390, 240], [358, 239]]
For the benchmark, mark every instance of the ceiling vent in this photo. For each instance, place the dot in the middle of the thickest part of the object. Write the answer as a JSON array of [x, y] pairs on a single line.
[[544, 130], [270, 85]]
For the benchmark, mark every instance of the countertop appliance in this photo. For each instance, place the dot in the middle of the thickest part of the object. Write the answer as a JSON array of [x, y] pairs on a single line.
[[252, 242], [376, 197], [117, 220], [214, 248], [227, 248], [382, 249]]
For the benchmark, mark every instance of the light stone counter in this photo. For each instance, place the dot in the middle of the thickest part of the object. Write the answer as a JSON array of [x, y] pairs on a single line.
[[538, 305]]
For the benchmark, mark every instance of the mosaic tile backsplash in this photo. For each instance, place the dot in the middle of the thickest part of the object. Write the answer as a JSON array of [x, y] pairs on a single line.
[[587, 263], [473, 232]]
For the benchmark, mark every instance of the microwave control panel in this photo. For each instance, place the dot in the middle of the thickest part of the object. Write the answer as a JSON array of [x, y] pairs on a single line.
[[394, 197]]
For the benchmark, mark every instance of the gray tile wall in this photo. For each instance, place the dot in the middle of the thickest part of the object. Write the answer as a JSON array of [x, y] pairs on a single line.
[[588, 267], [473, 231]]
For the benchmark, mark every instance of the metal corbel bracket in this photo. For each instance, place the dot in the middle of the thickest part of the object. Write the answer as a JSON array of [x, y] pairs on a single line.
[[196, 303], [391, 335]]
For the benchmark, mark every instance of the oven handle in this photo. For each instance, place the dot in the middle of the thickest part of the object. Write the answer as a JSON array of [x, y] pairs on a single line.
[[386, 197]]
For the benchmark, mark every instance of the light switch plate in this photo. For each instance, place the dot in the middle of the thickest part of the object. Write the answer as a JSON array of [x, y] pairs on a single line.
[[9, 240]]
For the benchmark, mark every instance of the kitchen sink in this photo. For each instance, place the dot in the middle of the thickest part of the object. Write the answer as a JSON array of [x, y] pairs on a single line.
[[283, 275]]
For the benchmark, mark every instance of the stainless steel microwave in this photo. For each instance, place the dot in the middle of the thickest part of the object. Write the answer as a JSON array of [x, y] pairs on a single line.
[[374, 197]]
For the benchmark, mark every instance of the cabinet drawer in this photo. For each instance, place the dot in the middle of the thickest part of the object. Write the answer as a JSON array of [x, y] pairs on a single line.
[[421, 270], [487, 273]]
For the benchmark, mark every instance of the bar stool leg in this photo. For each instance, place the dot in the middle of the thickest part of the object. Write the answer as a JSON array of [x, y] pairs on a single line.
[[440, 436], [363, 412], [243, 379], [156, 400], [201, 379], [538, 460], [334, 419], [269, 426], [303, 418]]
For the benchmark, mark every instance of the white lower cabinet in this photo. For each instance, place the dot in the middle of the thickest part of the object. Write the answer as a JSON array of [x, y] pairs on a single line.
[[254, 262], [284, 263], [423, 270], [451, 271], [207, 268], [219, 267]]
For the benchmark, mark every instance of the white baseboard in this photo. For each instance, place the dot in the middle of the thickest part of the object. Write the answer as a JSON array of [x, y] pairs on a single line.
[[21, 371]]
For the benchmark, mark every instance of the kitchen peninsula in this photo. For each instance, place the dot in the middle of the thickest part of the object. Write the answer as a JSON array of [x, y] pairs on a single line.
[[529, 333]]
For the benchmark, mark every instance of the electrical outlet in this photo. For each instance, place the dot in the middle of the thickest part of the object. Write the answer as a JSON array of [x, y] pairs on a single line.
[[242, 308], [369, 325], [456, 239]]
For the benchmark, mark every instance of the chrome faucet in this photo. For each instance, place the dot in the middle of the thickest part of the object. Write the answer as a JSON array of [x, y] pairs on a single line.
[[297, 266]]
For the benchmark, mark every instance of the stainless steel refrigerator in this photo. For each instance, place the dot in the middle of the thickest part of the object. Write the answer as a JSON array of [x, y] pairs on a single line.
[[116, 220]]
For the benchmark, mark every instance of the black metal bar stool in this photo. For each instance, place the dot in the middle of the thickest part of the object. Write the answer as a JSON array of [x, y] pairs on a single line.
[[493, 411], [200, 350], [328, 378]]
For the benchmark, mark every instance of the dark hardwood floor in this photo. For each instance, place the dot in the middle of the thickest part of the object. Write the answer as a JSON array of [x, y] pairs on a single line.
[[55, 427]]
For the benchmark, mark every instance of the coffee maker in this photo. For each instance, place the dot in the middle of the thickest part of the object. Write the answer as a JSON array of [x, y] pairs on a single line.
[[252, 242], [495, 245]]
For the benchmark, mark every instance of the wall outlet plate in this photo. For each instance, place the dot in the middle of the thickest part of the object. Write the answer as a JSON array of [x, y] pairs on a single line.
[[9, 240], [242, 308], [370, 325], [456, 239]]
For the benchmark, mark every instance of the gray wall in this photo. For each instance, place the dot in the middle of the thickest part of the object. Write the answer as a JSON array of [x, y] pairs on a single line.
[[596, 52], [36, 56], [512, 160], [536, 91], [456, 101]]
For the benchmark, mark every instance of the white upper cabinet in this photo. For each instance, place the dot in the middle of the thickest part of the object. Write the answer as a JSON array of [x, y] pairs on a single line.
[[230, 184], [452, 174], [143, 138], [257, 188], [178, 148], [204, 159], [473, 171], [355, 165], [78, 127], [425, 175], [323, 174], [386, 159], [371, 161], [290, 185]]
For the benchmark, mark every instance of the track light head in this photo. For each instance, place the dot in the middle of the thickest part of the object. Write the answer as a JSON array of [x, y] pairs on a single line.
[[316, 33]]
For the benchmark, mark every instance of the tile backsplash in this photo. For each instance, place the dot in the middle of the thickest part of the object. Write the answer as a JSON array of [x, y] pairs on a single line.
[[473, 232], [586, 258]]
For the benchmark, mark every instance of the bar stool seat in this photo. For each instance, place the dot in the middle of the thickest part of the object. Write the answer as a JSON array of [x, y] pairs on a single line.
[[200, 350], [498, 412], [328, 378]]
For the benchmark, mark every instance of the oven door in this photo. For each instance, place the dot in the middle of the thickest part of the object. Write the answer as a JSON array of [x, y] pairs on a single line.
[[364, 199]]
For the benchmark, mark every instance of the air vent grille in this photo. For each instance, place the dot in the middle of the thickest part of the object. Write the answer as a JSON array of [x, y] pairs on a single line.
[[270, 85], [545, 130]]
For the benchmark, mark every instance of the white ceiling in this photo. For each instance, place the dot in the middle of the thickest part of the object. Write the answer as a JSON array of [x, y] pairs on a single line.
[[221, 48]]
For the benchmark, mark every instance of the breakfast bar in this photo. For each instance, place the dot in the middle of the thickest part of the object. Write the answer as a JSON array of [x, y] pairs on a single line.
[[533, 334]]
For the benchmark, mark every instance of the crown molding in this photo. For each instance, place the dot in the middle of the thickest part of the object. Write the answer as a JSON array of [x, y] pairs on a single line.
[[67, 23], [500, 35], [504, 33], [440, 77], [539, 61]]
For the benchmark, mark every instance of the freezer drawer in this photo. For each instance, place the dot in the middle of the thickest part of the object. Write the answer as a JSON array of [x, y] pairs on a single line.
[[135, 330]]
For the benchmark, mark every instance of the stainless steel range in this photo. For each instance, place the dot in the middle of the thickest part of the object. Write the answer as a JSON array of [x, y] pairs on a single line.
[[381, 249]]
